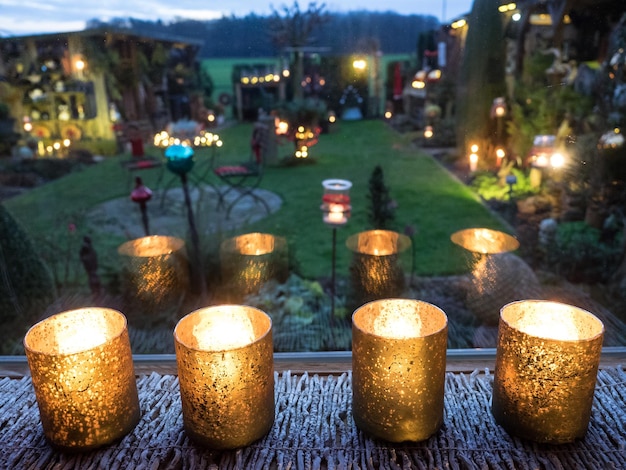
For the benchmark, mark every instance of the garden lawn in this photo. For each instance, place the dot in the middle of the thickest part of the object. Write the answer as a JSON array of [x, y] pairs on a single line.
[[427, 196]]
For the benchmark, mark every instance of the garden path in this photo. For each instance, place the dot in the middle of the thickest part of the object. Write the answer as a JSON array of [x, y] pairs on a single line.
[[167, 213]]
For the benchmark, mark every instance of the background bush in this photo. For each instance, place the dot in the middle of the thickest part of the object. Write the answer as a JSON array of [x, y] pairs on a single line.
[[25, 282], [578, 253]]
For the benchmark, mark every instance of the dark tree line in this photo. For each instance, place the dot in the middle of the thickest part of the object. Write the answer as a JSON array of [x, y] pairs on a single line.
[[250, 36]]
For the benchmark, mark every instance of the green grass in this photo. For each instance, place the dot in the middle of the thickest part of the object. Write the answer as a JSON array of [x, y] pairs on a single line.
[[427, 196]]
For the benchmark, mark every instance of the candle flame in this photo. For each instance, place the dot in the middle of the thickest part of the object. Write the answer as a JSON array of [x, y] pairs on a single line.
[[553, 325], [254, 244], [73, 331], [222, 330], [75, 336], [484, 240], [398, 321], [552, 320], [378, 243]]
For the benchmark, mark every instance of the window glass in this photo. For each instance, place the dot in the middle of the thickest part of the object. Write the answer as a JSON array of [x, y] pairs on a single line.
[[306, 161]]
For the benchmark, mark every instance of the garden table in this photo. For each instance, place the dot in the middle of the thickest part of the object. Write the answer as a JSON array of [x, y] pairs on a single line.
[[314, 428]]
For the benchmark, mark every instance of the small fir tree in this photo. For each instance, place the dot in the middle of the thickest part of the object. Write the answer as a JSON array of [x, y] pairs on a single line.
[[382, 210]]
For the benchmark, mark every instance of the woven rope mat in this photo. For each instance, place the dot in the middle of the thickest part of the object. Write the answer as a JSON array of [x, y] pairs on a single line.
[[314, 429]]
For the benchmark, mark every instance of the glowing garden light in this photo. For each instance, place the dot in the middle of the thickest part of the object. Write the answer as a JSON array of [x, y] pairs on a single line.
[[458, 24], [473, 161], [557, 160], [359, 64]]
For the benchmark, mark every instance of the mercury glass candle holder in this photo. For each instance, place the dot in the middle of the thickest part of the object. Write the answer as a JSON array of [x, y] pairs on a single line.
[[226, 373], [547, 362], [375, 269], [82, 372], [497, 276], [398, 368], [485, 241], [155, 273], [249, 261]]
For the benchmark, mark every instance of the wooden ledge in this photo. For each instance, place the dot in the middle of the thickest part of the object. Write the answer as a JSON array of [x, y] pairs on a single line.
[[321, 363]]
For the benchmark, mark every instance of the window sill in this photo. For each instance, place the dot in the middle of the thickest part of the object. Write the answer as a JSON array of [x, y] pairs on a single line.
[[321, 363]]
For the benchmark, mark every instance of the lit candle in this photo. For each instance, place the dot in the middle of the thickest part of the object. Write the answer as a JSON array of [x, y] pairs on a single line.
[[82, 372], [546, 367], [497, 276], [473, 162], [336, 214], [225, 367], [336, 202], [155, 273], [375, 270], [398, 368], [255, 244], [485, 241], [249, 261]]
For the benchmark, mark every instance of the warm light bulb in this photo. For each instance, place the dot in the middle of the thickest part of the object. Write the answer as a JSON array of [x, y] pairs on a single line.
[[557, 160], [542, 161], [359, 64]]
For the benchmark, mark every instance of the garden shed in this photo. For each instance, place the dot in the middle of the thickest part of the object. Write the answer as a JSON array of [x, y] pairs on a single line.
[[80, 85]]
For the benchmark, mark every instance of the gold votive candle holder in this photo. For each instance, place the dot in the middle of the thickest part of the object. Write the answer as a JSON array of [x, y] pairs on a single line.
[[398, 368], [375, 269], [155, 273], [225, 365], [547, 362], [82, 372], [249, 261], [485, 241], [497, 275]]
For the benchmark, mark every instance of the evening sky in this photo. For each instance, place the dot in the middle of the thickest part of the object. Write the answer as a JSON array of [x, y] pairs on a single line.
[[20, 17]]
